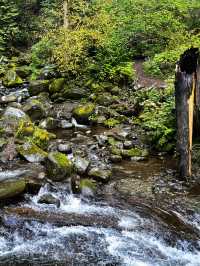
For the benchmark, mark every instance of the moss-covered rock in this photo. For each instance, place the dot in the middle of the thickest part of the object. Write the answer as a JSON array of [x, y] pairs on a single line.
[[11, 120], [101, 175], [135, 152], [73, 92], [23, 71], [11, 188], [56, 85], [31, 152], [41, 137], [12, 79], [83, 112], [59, 166], [36, 109], [38, 86]]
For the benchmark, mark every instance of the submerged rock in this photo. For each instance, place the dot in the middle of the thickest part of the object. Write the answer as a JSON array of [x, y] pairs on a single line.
[[49, 199], [82, 112], [59, 166], [11, 188], [31, 152]]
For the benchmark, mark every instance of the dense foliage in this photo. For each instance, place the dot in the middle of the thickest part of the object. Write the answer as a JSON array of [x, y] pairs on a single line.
[[90, 42]]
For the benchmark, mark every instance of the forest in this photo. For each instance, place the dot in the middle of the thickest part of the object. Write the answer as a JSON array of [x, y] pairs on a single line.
[[88, 134]]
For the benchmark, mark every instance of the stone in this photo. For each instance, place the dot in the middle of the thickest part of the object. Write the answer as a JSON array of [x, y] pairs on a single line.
[[82, 112], [75, 184], [102, 139], [65, 148], [59, 167], [56, 85], [11, 79], [8, 99], [134, 152], [11, 188], [64, 124], [128, 144], [23, 71], [49, 123], [81, 165], [38, 86], [74, 93], [102, 175], [116, 158], [31, 152], [36, 109], [49, 199]]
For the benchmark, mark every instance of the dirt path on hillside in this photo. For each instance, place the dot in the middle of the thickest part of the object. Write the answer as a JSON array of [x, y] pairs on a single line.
[[144, 80]]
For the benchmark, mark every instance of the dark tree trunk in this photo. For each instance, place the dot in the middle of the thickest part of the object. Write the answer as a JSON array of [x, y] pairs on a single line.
[[187, 99]]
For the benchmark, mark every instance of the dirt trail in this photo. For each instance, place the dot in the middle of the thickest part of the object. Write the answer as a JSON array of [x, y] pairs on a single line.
[[144, 80]]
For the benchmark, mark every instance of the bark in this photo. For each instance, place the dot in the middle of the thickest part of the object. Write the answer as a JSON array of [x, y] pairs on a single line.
[[187, 99], [66, 14]]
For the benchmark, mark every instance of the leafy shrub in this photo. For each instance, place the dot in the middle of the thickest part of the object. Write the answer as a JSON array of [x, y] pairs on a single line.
[[157, 116]]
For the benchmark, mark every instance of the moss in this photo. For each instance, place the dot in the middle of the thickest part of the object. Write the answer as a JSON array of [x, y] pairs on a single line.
[[83, 112], [41, 137], [12, 188], [12, 79], [30, 148], [56, 85], [111, 122], [62, 160], [115, 151], [87, 183], [135, 152]]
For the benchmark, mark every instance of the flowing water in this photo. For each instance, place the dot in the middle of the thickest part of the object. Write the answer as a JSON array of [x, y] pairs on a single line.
[[117, 235]]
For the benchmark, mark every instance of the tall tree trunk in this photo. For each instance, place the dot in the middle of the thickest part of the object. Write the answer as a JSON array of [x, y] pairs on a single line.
[[187, 99], [66, 14]]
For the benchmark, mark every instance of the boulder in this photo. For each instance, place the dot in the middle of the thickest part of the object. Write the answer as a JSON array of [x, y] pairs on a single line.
[[83, 112], [81, 165], [23, 71], [74, 93], [56, 85], [11, 188], [59, 166], [49, 123], [11, 79], [38, 86], [36, 109], [49, 199], [31, 152], [102, 175]]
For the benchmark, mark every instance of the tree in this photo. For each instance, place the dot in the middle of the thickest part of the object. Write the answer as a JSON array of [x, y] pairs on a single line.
[[8, 21]]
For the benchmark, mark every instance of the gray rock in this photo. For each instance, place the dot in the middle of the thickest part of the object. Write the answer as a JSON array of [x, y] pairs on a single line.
[[8, 99], [49, 199], [11, 188], [115, 158], [31, 152], [49, 123], [99, 174], [81, 165], [128, 144], [38, 86], [65, 148]]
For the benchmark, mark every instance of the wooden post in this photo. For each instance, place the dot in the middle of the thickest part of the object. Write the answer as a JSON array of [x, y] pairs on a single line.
[[186, 94]]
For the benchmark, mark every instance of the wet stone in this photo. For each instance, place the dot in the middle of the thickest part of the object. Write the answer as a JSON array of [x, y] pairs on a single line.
[[115, 158], [49, 199], [99, 174], [65, 124], [65, 148], [81, 165]]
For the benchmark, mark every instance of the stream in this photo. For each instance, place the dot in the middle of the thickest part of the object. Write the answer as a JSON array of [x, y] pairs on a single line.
[[121, 223], [116, 233]]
